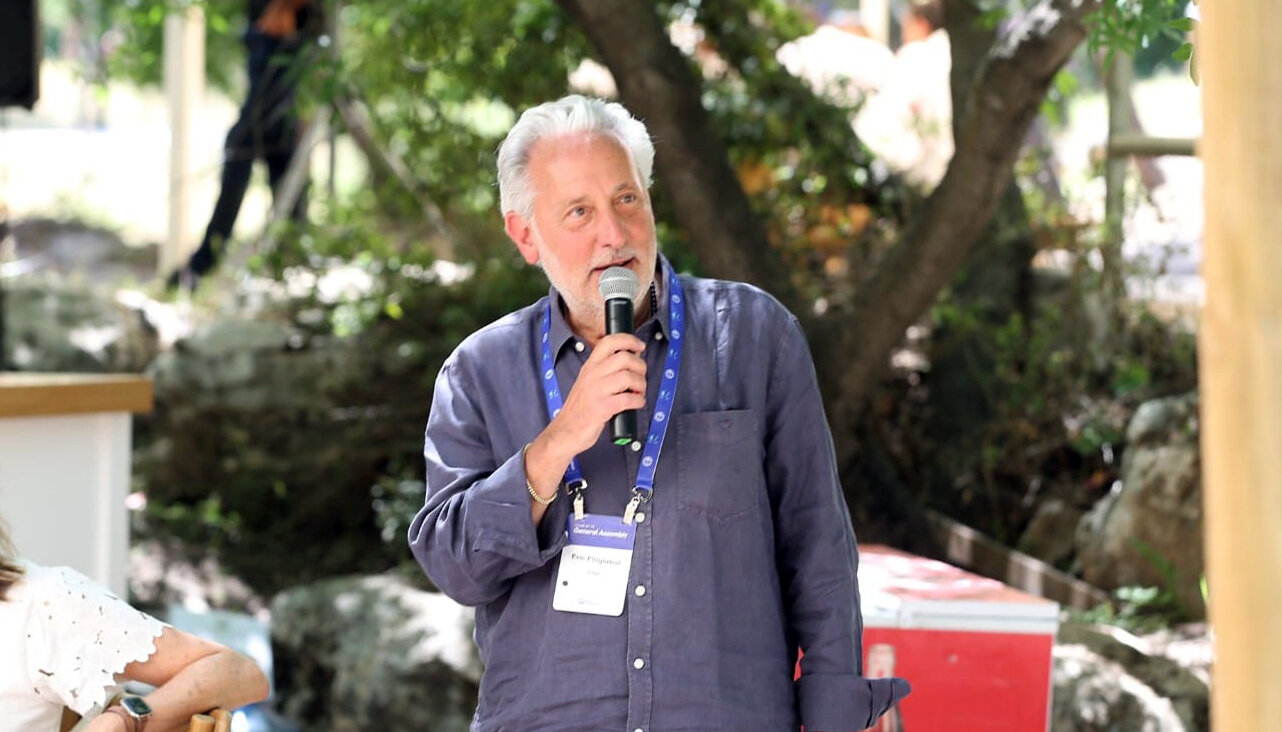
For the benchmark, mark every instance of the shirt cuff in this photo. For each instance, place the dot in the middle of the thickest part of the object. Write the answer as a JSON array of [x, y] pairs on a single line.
[[843, 703], [510, 531]]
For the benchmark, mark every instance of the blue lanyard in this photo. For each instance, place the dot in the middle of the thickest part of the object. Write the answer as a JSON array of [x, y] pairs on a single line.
[[574, 481]]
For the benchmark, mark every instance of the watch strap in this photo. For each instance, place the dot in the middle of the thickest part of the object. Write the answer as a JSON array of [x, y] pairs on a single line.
[[132, 723]]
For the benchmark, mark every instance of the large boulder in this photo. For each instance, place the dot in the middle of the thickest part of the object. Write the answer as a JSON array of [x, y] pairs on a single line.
[[373, 653], [54, 324], [59, 298], [1148, 533], [1107, 679], [1050, 533]]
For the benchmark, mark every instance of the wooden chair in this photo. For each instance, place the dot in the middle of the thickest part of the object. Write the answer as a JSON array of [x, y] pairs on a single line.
[[216, 720]]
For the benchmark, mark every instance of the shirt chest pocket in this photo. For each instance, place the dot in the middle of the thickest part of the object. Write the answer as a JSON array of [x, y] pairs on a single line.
[[719, 470]]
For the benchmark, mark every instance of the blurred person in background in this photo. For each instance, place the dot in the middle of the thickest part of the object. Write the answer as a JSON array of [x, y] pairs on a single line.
[[838, 61], [908, 122], [267, 128]]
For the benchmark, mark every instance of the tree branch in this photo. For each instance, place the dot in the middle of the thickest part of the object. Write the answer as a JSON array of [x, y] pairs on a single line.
[[1004, 100]]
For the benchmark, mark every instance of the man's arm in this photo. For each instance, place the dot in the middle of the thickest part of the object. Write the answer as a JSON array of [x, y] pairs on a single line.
[[815, 551], [474, 533], [480, 526]]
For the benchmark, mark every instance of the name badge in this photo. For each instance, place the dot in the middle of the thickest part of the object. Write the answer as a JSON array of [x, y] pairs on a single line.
[[595, 564]]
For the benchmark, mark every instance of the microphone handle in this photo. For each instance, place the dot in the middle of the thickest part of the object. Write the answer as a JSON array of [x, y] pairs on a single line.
[[618, 319], [623, 427]]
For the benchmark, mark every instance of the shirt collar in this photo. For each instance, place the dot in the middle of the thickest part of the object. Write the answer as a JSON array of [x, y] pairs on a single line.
[[561, 334]]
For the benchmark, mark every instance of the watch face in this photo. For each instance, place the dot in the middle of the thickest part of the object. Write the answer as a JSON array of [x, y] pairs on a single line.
[[136, 706]]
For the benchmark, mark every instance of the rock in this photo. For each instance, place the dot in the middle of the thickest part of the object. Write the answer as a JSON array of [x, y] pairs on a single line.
[[374, 653], [1148, 532], [1107, 679], [74, 249], [1164, 420], [1050, 534], [57, 325]]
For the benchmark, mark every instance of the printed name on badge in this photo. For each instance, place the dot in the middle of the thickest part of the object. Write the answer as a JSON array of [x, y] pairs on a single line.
[[595, 565]]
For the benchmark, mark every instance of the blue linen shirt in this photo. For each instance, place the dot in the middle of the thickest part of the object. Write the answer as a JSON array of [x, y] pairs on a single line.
[[744, 553]]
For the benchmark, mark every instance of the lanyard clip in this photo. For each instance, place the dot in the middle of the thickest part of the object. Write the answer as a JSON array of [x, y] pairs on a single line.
[[638, 497], [575, 488]]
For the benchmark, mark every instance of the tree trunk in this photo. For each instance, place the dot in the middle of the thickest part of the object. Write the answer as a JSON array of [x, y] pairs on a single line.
[[657, 84], [992, 287]]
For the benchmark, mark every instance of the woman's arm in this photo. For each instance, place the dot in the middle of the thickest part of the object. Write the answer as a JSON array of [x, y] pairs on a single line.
[[191, 675]]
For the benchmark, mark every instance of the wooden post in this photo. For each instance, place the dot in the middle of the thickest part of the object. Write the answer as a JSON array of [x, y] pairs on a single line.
[[1239, 353], [184, 86], [1120, 75]]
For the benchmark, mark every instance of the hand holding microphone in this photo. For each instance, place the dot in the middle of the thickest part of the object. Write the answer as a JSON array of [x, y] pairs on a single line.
[[611, 383]]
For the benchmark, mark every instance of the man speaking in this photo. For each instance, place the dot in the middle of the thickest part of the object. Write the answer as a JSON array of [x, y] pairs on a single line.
[[667, 580]]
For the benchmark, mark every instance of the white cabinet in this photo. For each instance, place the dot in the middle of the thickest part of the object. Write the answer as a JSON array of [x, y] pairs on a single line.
[[65, 468]]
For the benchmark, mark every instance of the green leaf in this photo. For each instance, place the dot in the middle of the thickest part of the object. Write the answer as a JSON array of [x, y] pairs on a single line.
[[1183, 53]]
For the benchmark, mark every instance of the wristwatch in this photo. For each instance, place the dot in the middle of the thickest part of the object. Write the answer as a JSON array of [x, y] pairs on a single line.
[[135, 710]]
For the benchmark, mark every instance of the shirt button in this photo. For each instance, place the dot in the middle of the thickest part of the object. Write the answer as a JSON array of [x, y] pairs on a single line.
[[639, 518], [658, 336], [638, 663], [636, 446], [640, 590], [638, 729], [578, 346]]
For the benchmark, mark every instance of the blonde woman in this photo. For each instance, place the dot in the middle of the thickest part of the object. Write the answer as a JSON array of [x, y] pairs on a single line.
[[67, 642]]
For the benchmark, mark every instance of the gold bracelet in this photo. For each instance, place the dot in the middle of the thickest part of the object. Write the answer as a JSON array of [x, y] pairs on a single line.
[[530, 486]]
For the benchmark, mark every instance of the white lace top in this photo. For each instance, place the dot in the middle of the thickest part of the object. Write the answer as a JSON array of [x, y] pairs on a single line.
[[63, 640]]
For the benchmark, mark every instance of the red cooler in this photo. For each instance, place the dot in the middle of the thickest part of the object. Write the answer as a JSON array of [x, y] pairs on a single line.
[[977, 652]]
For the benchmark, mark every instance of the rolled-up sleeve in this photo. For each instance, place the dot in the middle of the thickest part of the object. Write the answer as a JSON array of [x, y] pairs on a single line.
[[816, 553], [475, 534]]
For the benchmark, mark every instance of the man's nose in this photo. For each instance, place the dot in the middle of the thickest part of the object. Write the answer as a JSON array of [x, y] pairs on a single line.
[[610, 232]]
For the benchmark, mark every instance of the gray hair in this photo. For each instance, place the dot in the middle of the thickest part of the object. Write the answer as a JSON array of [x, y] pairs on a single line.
[[567, 115]]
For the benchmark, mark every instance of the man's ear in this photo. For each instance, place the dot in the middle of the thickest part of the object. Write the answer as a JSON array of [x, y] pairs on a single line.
[[521, 232]]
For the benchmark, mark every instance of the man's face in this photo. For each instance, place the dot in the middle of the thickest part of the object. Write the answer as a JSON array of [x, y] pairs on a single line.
[[590, 212]]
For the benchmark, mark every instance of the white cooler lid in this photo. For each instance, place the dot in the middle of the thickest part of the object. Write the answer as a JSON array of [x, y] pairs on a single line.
[[900, 590]]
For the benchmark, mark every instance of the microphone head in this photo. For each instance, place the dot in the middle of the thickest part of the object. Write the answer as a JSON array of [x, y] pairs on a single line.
[[618, 282]]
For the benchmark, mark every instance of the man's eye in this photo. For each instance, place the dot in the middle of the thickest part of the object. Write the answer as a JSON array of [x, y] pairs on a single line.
[[578, 212], [628, 198]]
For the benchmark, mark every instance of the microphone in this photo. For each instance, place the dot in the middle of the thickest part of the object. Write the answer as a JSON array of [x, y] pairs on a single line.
[[618, 287]]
